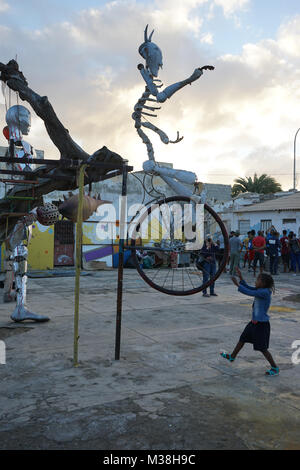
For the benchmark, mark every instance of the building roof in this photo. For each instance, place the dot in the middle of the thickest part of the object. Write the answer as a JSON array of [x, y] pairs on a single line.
[[282, 203]]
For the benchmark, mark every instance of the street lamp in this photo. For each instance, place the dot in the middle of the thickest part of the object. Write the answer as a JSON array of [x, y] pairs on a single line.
[[294, 186]]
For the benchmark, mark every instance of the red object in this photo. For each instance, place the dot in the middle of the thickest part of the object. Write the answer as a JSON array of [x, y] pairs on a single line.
[[174, 260], [259, 242], [6, 132], [284, 242], [64, 243]]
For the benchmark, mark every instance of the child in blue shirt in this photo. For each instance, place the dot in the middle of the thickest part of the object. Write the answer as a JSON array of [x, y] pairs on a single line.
[[257, 331]]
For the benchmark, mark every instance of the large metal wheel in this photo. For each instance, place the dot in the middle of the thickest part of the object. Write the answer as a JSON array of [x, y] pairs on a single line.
[[166, 241]]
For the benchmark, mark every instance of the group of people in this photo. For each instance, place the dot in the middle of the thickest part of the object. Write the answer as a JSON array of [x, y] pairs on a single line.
[[256, 249], [272, 247]]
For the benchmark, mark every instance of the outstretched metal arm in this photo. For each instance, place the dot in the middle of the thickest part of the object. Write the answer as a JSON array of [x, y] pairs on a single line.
[[170, 90]]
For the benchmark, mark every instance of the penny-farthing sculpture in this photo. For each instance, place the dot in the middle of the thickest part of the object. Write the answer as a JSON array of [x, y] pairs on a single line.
[[171, 232]]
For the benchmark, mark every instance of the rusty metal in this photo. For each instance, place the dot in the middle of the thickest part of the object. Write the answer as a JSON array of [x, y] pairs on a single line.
[[11, 181], [63, 163], [78, 166], [120, 270], [78, 264]]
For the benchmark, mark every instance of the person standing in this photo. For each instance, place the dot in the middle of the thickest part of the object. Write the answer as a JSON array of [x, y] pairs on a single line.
[[208, 252], [235, 248], [220, 253], [259, 245], [273, 246], [246, 246], [251, 250], [294, 252], [284, 248]]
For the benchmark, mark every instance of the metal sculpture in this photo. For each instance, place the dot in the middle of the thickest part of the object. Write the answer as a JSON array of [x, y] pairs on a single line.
[[18, 246], [153, 57], [69, 208], [18, 119]]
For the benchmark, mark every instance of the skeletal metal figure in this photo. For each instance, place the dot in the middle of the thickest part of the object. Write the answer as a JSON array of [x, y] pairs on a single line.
[[153, 57], [18, 119]]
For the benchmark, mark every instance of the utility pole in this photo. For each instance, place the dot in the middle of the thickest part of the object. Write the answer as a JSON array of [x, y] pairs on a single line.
[[294, 174]]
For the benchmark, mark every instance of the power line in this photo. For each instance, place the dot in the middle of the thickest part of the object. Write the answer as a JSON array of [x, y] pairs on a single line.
[[269, 174]]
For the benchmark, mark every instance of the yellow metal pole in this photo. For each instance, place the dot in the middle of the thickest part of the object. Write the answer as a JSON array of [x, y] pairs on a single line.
[[78, 263]]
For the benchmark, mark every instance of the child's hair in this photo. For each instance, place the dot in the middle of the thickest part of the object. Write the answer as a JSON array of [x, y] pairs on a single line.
[[268, 281]]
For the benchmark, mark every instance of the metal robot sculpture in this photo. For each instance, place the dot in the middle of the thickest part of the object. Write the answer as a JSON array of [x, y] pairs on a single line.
[[153, 57], [18, 119], [17, 243]]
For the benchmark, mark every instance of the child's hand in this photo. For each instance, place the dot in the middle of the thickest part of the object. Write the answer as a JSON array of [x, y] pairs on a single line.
[[235, 281]]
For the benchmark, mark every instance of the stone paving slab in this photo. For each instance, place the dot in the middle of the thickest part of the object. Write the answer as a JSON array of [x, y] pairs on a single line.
[[169, 390]]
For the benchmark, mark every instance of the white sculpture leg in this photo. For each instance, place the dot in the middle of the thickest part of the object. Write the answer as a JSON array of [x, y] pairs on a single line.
[[9, 294], [176, 186], [21, 313], [184, 176]]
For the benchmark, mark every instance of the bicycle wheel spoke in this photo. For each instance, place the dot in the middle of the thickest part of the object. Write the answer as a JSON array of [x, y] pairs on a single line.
[[190, 278]]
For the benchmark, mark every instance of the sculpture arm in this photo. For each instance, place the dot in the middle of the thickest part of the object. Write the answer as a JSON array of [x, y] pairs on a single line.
[[170, 90], [148, 79]]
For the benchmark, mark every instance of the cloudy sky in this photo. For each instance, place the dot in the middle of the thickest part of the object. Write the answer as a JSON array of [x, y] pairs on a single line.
[[239, 119]]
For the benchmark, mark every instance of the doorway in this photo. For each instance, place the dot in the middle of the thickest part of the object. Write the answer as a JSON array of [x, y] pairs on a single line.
[[64, 243]]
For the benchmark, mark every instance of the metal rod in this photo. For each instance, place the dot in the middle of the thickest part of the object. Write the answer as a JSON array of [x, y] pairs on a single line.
[[121, 266], [78, 263], [294, 173], [67, 163], [12, 181], [21, 198], [34, 175]]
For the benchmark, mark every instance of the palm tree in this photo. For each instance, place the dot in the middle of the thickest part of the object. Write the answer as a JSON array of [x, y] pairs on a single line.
[[263, 184]]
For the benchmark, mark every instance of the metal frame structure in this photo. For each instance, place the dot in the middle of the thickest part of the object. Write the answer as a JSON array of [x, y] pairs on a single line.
[[80, 166]]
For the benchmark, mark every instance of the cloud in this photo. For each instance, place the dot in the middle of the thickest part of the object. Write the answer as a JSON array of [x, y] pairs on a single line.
[[240, 117], [3, 6], [289, 37], [207, 38], [232, 6]]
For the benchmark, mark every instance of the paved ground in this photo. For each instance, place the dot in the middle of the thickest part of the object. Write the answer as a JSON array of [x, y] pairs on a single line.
[[169, 390]]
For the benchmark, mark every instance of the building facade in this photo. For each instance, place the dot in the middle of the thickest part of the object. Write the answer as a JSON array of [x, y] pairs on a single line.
[[252, 211]]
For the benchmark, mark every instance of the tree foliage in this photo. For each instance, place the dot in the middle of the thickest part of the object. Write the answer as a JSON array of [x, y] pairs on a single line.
[[263, 184]]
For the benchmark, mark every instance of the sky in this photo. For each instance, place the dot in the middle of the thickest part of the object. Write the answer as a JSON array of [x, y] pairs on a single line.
[[239, 119]]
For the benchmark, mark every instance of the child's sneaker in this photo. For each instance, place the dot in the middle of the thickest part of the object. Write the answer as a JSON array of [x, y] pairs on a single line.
[[273, 371], [227, 356]]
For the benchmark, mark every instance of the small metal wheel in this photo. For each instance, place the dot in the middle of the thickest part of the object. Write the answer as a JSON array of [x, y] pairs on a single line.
[[167, 241]]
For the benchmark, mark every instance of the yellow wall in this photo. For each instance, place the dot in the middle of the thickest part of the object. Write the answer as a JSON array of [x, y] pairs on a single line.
[[41, 247]]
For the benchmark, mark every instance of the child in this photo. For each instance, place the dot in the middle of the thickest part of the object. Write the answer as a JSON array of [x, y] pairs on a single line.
[[257, 331]]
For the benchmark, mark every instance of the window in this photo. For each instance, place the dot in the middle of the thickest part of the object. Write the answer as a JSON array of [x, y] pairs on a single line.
[[288, 221], [244, 226], [265, 224]]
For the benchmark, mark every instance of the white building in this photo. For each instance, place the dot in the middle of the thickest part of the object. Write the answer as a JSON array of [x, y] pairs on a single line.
[[249, 211]]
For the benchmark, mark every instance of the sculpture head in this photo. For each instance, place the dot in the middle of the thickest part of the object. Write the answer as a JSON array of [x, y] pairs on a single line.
[[151, 53], [19, 117]]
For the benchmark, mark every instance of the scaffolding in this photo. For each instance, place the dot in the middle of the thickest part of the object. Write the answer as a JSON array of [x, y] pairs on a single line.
[[79, 167]]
